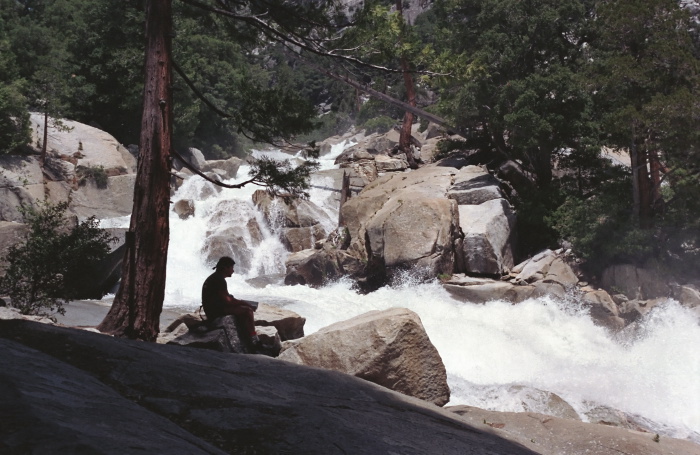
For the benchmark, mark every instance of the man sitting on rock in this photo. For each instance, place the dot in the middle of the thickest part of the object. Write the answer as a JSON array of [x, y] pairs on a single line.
[[217, 302]]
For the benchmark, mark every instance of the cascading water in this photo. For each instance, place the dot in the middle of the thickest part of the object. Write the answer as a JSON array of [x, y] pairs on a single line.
[[489, 350]]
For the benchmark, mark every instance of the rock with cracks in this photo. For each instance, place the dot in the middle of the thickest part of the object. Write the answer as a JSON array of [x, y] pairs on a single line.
[[389, 348]]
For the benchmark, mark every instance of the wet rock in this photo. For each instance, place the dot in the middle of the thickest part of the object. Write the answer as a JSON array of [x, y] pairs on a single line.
[[603, 309], [184, 208]]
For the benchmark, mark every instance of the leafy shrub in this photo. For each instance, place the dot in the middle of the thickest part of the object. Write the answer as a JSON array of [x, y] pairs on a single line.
[[374, 108], [447, 147], [602, 229], [47, 268], [97, 174], [380, 124], [14, 119]]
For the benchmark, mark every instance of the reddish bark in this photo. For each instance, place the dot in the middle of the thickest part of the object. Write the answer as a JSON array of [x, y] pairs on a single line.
[[46, 137], [405, 136], [136, 310]]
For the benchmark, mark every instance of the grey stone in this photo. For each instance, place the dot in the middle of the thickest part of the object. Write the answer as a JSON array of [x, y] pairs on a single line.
[[473, 186], [289, 325], [90, 146], [229, 167], [184, 208], [489, 230], [548, 435], [116, 200], [389, 348], [169, 399]]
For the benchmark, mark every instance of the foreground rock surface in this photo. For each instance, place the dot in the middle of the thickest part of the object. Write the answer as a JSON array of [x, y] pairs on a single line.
[[549, 435], [116, 394], [389, 348]]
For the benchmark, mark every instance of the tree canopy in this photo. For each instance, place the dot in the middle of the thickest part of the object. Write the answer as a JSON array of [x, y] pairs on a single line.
[[553, 86]]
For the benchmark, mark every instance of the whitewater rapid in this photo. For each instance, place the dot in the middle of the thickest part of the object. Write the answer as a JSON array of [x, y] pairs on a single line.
[[653, 372]]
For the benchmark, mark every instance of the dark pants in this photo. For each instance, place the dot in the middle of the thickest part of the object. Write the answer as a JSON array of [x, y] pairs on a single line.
[[245, 315]]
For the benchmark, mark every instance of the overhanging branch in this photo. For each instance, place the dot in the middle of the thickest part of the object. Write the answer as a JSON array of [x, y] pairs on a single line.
[[185, 163]]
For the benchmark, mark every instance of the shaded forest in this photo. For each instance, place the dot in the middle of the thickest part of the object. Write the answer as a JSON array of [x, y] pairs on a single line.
[[549, 85]]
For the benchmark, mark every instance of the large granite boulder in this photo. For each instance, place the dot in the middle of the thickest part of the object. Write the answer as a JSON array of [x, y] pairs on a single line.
[[389, 348], [361, 172], [546, 274], [287, 324], [387, 163], [316, 267], [11, 233], [688, 295], [115, 200], [184, 208], [429, 150], [226, 169], [193, 156], [489, 230], [404, 220], [103, 278], [547, 266], [21, 184], [474, 185], [636, 282], [89, 146]]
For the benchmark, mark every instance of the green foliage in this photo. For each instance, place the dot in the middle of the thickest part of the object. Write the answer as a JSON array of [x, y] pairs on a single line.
[[380, 124], [281, 177], [47, 268], [14, 118], [97, 174], [514, 81], [374, 109], [602, 228]]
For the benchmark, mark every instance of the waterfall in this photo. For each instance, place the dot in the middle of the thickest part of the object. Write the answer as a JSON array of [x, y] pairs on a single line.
[[489, 350]]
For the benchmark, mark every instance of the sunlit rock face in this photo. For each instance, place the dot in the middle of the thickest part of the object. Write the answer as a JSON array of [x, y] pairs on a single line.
[[389, 348]]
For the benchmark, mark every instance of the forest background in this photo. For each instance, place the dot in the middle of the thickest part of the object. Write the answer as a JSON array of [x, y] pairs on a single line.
[[548, 84]]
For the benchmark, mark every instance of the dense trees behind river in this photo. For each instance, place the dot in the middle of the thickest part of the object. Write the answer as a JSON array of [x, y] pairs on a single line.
[[548, 84]]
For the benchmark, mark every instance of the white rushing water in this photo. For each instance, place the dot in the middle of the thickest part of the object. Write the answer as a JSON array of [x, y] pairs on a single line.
[[487, 349]]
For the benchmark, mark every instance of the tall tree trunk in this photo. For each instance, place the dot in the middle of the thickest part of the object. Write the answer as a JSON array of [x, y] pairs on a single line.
[[634, 164], [646, 210], [641, 182], [405, 136], [656, 169], [136, 310], [42, 159]]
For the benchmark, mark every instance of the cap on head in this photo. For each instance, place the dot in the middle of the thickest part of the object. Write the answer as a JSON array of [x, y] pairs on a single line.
[[225, 261]]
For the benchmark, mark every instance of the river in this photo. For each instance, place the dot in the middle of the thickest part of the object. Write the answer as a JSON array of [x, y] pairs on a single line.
[[488, 349]]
